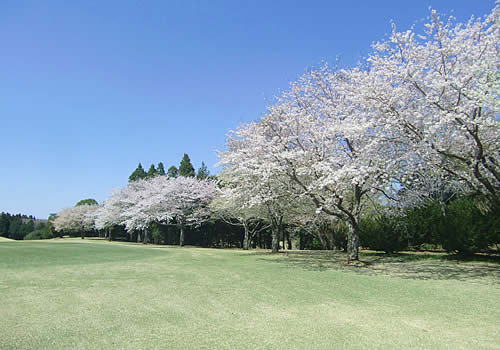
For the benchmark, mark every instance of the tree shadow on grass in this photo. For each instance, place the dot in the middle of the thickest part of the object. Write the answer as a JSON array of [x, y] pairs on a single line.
[[422, 266]]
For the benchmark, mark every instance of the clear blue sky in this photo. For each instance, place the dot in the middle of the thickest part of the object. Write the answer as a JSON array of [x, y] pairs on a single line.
[[90, 88]]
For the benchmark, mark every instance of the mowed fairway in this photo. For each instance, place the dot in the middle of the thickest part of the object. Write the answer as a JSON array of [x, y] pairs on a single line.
[[74, 294]]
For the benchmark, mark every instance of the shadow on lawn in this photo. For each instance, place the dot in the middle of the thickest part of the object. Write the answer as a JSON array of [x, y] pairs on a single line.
[[423, 266]]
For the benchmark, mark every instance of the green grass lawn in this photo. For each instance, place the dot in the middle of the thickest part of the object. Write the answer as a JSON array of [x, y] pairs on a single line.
[[91, 294]]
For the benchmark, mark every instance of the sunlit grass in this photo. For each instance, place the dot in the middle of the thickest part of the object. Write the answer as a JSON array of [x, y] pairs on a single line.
[[91, 294]]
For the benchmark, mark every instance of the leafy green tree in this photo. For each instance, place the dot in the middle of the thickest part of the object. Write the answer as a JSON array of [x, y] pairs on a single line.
[[203, 172], [138, 173], [15, 224], [160, 169], [151, 172], [88, 201], [186, 168], [173, 171], [26, 227]]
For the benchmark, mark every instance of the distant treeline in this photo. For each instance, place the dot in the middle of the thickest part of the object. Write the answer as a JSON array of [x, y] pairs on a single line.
[[20, 226]]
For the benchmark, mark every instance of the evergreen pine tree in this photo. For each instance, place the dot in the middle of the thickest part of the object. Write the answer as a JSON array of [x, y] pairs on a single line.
[[172, 171], [160, 170], [151, 172], [203, 172], [138, 173], [186, 168]]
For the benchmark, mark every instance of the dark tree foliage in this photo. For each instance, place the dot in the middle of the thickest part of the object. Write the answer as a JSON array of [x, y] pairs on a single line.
[[160, 169], [172, 171], [137, 174], [19, 226], [4, 224], [151, 172], [460, 226], [203, 172], [88, 201], [383, 232], [185, 167], [424, 224], [466, 229]]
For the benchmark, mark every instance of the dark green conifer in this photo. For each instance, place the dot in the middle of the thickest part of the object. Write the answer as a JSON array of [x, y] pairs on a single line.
[[161, 169], [186, 168], [172, 171], [138, 173]]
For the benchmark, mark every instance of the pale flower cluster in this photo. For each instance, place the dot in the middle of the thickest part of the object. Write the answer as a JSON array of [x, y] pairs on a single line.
[[76, 219], [159, 199], [420, 107]]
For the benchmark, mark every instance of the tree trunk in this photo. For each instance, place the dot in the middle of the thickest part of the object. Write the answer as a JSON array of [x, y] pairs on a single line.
[[181, 235], [109, 234], [322, 240], [145, 237], [138, 236], [352, 242], [246, 240], [275, 234], [353, 224], [275, 244]]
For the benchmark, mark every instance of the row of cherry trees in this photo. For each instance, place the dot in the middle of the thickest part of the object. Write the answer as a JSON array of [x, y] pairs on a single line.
[[417, 120], [421, 110], [182, 201]]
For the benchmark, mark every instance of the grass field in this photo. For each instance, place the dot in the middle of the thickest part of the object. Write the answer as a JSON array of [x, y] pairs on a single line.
[[90, 294]]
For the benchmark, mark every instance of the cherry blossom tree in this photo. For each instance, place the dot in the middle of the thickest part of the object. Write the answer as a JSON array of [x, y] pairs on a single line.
[[76, 219], [231, 207], [440, 93], [252, 187], [420, 104], [111, 213], [188, 201], [319, 145], [160, 199]]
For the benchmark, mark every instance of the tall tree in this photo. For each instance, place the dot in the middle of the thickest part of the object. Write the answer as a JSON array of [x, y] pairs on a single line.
[[313, 143], [185, 167], [203, 172], [173, 171], [137, 174], [160, 170], [151, 172]]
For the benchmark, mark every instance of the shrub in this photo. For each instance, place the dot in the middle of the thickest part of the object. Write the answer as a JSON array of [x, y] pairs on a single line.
[[465, 229], [39, 234], [383, 232], [424, 224]]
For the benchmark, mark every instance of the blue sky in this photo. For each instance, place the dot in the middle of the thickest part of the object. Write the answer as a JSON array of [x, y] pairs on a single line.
[[90, 88]]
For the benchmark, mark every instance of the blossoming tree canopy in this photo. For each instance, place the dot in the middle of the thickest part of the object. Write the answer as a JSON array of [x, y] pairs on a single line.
[[441, 91], [337, 137], [159, 199], [76, 219]]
